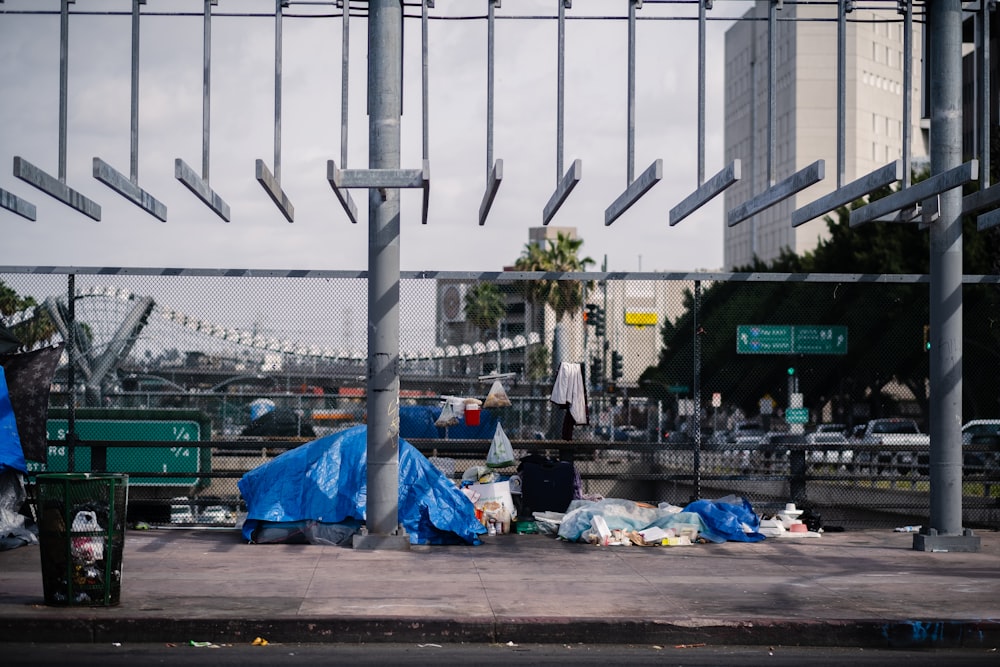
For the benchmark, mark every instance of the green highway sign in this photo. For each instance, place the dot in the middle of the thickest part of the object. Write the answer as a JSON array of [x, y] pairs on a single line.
[[797, 415], [179, 459], [764, 339], [816, 339], [791, 339]]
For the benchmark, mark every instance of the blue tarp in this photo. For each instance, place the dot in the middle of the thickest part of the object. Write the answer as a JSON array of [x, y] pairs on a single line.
[[724, 519], [11, 454], [326, 481]]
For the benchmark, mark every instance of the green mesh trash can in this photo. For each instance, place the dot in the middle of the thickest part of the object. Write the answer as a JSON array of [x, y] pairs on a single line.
[[81, 537]]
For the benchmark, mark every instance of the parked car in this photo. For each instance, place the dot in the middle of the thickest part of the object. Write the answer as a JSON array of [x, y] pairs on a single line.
[[832, 447], [980, 448], [773, 446], [896, 432], [746, 430]]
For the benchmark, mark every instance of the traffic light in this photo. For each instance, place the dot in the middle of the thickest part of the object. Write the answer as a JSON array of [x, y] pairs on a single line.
[[927, 338], [596, 370], [599, 321], [791, 371], [617, 365], [589, 313]]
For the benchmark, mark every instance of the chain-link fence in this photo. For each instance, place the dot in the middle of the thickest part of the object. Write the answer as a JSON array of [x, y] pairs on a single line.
[[697, 385]]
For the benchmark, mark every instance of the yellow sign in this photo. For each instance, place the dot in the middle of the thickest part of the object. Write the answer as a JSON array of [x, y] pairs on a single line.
[[640, 319]]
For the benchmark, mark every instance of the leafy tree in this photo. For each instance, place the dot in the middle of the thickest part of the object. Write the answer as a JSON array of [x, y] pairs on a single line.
[[564, 296], [561, 255], [484, 307], [885, 324], [37, 330]]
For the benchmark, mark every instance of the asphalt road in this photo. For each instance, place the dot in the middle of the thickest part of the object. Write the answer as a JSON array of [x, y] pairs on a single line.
[[223, 655]]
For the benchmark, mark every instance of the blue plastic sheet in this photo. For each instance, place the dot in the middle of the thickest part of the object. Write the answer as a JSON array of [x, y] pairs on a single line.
[[326, 481], [724, 520], [11, 454]]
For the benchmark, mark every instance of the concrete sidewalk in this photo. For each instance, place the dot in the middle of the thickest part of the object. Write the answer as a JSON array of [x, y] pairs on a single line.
[[864, 589]]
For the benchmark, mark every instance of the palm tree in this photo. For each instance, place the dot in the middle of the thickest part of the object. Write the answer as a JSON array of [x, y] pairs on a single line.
[[561, 255], [484, 309]]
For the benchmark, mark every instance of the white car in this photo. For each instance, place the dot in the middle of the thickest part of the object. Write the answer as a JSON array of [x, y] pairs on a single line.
[[831, 448], [980, 434]]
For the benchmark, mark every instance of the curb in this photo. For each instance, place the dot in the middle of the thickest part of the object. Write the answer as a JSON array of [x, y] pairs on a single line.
[[908, 634]]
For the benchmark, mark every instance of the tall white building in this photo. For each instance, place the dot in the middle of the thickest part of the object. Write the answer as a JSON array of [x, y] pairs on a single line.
[[805, 113]]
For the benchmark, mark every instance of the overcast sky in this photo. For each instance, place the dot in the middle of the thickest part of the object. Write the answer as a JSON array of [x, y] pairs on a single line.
[[322, 238]]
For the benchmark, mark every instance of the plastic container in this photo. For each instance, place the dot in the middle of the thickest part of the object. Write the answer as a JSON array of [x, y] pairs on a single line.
[[472, 415], [81, 537]]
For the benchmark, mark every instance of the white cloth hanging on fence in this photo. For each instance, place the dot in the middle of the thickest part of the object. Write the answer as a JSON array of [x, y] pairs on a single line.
[[568, 390]]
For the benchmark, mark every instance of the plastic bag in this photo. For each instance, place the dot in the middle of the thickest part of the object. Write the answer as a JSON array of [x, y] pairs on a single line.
[[497, 398], [447, 416], [86, 550], [501, 453]]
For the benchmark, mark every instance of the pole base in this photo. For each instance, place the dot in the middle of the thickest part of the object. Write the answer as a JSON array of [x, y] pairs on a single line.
[[967, 542], [396, 541]]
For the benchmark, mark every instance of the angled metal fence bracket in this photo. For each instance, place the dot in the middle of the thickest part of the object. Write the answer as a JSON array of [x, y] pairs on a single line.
[[12, 202], [274, 191], [196, 184], [566, 185], [492, 185], [846, 194], [121, 184], [706, 192], [635, 190], [778, 192], [916, 193], [343, 196], [975, 204], [128, 187], [988, 220], [54, 187], [425, 204], [271, 181], [342, 179]]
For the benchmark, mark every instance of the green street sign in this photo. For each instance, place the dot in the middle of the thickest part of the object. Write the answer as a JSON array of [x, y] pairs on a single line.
[[813, 339], [179, 459], [764, 339], [679, 389], [797, 415], [791, 339]]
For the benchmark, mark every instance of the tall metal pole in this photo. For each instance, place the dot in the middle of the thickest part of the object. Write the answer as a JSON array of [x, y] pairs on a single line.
[[385, 39], [560, 89], [134, 101], [983, 82], [63, 85], [701, 94], [907, 93], [772, 76], [696, 392], [841, 91], [206, 107], [630, 150], [944, 23]]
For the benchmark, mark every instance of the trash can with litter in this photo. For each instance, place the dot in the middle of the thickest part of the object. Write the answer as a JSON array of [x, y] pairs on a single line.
[[81, 536]]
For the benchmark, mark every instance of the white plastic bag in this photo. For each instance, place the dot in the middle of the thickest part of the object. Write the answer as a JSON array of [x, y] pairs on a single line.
[[501, 453], [86, 550], [497, 398], [447, 416]]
